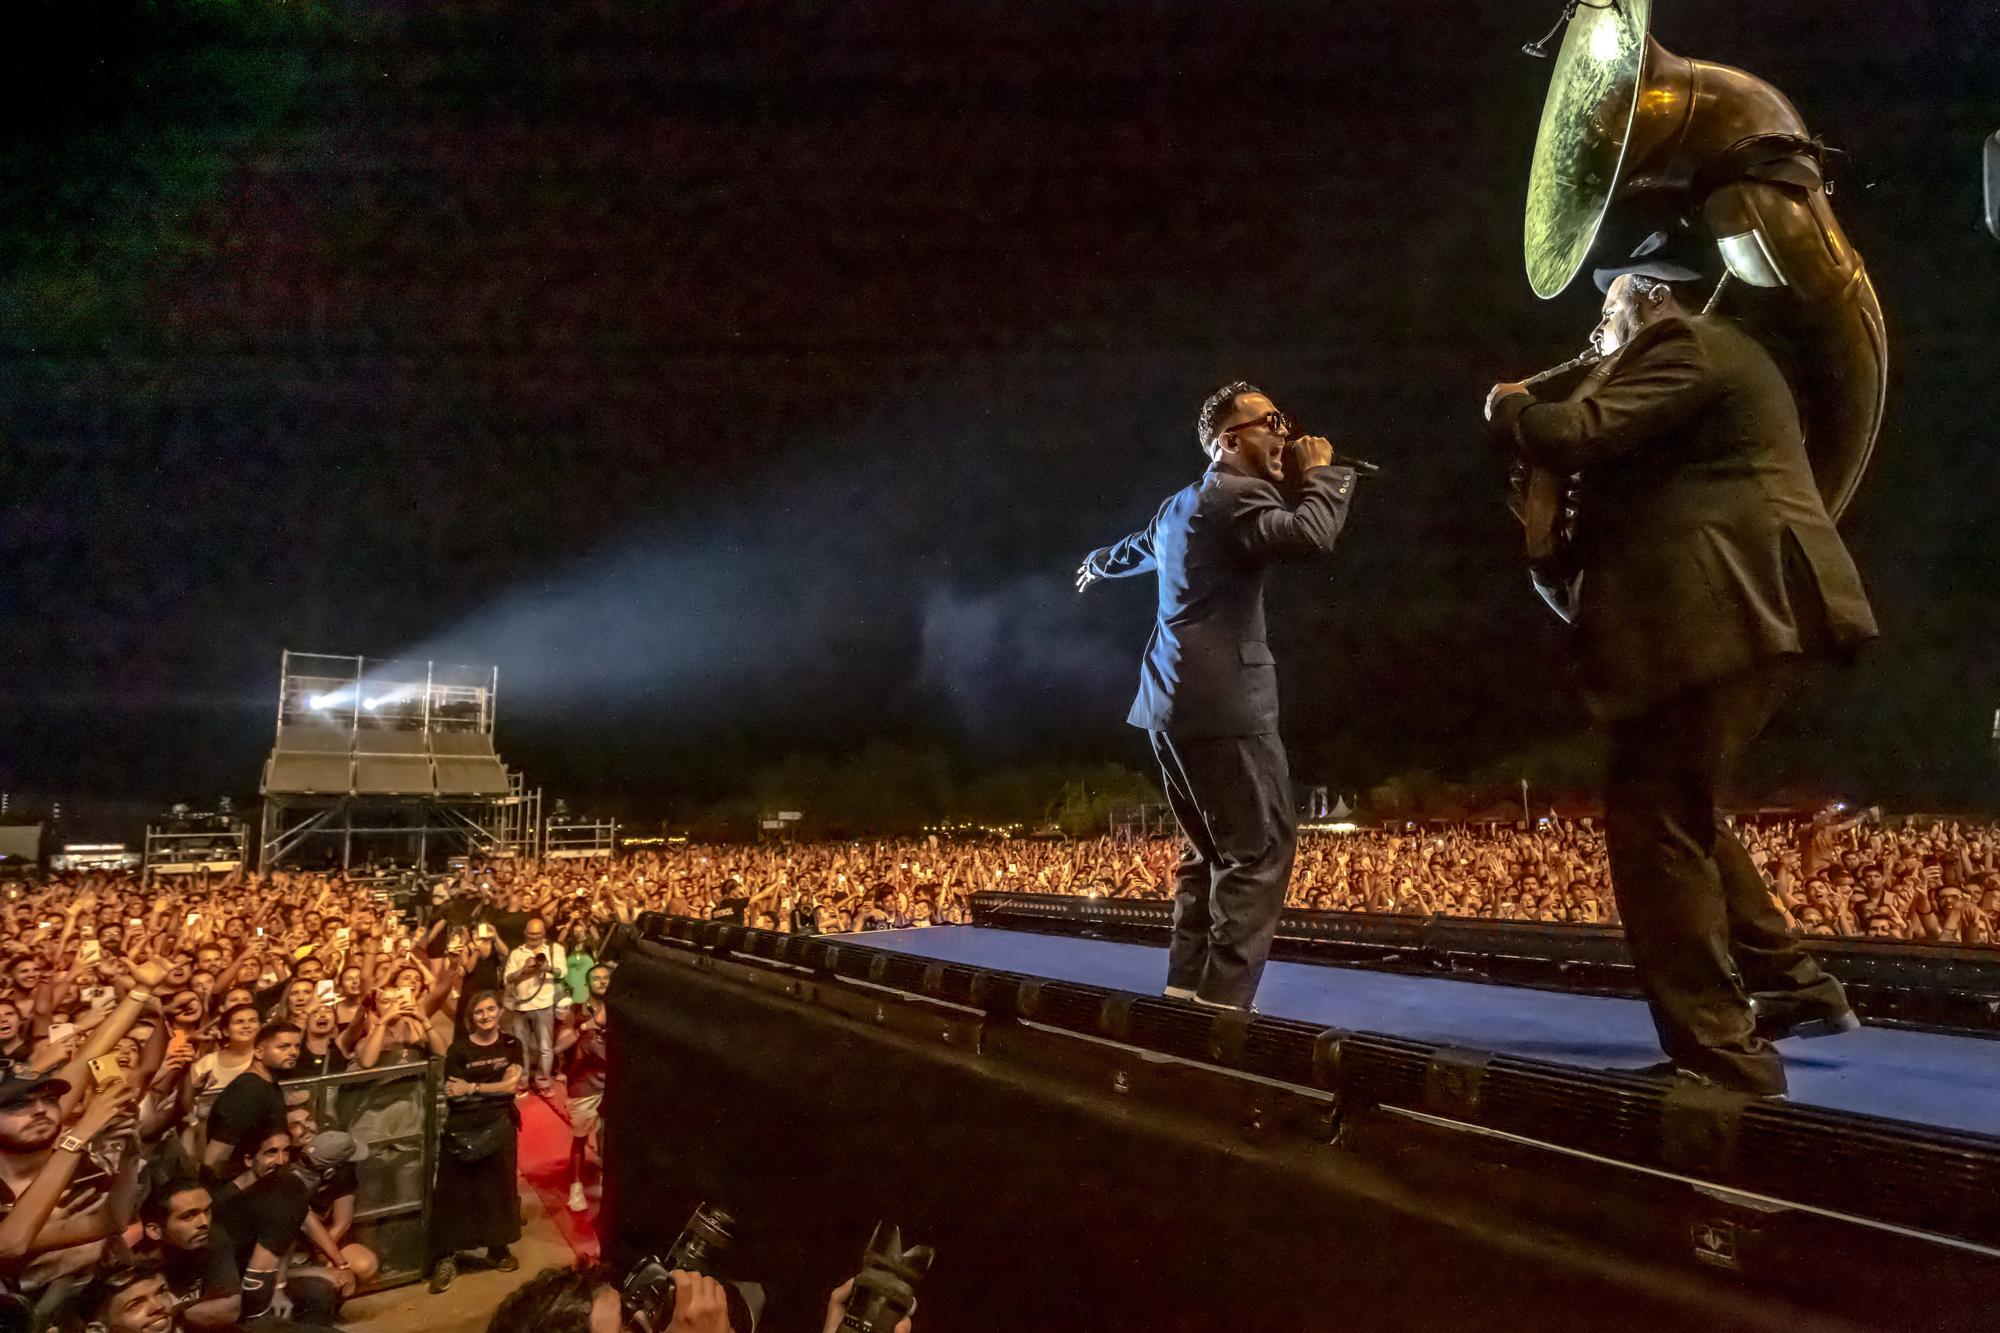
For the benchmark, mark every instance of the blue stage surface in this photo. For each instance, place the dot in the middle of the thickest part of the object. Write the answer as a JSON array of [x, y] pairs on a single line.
[[1946, 1081]]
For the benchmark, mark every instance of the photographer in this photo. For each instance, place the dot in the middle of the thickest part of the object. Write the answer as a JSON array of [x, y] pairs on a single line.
[[41, 1176], [535, 975], [586, 1300]]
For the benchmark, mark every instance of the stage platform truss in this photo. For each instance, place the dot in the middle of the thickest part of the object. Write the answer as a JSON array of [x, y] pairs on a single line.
[[1719, 1209], [172, 851], [390, 759]]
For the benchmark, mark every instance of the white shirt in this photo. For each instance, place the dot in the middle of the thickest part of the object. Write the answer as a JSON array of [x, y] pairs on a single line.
[[530, 993]]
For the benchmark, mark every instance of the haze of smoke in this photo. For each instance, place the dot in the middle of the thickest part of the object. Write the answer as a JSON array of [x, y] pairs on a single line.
[[1007, 658], [738, 634]]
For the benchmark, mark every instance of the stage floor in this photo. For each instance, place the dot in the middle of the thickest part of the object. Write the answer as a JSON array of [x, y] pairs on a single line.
[[1952, 1082]]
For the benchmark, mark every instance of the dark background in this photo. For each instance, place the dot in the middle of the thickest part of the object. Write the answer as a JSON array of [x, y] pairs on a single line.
[[745, 380]]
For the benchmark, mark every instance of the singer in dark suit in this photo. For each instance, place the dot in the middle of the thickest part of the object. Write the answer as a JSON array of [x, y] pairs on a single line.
[[1208, 689], [1712, 582]]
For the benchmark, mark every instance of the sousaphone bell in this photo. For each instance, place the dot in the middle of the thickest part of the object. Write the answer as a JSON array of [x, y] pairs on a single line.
[[1636, 140]]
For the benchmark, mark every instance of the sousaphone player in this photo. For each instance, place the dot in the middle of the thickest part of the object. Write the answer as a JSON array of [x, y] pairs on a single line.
[[1704, 576]]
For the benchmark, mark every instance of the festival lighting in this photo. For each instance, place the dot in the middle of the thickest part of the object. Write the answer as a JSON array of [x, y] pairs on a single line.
[[319, 703], [393, 696]]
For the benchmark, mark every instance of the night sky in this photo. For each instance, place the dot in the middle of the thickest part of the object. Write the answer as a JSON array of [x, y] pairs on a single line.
[[747, 379]]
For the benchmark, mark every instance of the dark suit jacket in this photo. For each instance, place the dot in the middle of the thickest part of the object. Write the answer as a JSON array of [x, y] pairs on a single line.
[[1208, 670], [1702, 538]]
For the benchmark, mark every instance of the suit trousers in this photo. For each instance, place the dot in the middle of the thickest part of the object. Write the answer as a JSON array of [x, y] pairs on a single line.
[[1699, 919], [1232, 796]]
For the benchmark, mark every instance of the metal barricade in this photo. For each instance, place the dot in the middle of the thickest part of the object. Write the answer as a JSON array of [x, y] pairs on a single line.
[[393, 1112]]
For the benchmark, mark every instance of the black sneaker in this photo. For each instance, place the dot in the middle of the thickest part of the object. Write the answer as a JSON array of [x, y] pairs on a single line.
[[504, 1261], [443, 1275]]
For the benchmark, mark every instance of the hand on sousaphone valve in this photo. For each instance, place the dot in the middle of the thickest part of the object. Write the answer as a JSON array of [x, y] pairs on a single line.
[[1502, 390], [1542, 500]]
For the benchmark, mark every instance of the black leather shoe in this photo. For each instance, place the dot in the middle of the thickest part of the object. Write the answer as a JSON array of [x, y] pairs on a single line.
[[1777, 1018], [1666, 1071]]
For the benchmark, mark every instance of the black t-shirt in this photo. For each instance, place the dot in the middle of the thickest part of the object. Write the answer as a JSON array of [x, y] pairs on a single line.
[[245, 1111], [312, 1066], [268, 1213], [474, 1063], [330, 1186], [207, 1274]]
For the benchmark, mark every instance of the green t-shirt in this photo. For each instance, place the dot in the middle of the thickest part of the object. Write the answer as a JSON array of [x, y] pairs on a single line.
[[578, 977]]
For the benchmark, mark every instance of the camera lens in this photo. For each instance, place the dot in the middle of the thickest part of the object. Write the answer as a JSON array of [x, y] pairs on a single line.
[[707, 1235]]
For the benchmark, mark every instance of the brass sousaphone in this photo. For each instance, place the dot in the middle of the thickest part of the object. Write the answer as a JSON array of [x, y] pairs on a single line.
[[1646, 140]]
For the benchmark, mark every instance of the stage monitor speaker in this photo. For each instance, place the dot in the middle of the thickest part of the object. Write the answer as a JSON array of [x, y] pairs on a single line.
[[1993, 185]]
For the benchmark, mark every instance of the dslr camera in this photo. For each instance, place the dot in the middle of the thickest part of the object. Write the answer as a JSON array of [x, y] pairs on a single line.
[[885, 1290], [884, 1293], [648, 1293]]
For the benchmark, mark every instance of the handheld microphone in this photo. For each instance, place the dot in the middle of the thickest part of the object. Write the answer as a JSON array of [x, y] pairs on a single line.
[[1294, 462], [1293, 465]]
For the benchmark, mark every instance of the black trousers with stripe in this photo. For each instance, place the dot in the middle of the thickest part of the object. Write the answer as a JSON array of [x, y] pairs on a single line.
[[1232, 796]]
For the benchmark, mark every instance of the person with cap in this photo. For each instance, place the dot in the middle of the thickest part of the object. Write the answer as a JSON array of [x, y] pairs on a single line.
[[96, 1202], [1712, 582], [325, 1160], [44, 1171]]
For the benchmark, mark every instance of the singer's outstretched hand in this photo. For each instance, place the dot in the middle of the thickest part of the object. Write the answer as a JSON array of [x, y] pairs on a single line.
[[1085, 575]]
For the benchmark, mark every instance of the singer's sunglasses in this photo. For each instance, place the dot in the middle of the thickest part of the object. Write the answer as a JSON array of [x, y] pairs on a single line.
[[1274, 421]]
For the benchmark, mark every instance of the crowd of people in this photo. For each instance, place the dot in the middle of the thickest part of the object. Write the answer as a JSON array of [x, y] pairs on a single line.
[[165, 1161], [164, 1157], [1831, 874]]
